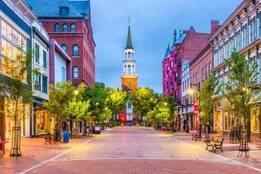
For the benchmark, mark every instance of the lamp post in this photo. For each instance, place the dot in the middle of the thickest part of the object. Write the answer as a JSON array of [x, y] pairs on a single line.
[[192, 92]]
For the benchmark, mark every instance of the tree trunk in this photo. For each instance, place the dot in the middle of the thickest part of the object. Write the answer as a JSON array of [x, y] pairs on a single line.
[[16, 135], [248, 127]]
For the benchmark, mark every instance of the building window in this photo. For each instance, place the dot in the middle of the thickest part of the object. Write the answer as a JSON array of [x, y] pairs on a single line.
[[45, 84], [129, 69], [64, 27], [37, 53], [75, 50], [73, 28], [64, 47], [12, 58], [37, 81], [63, 74], [57, 27], [64, 11], [44, 59], [75, 72]]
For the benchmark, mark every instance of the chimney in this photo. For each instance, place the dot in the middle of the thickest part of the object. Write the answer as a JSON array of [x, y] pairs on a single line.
[[214, 26]]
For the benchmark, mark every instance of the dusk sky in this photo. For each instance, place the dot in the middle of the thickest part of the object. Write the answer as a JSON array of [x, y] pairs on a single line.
[[152, 25]]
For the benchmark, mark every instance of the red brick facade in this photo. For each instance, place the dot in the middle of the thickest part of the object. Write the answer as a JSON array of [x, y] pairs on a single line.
[[83, 37], [193, 43]]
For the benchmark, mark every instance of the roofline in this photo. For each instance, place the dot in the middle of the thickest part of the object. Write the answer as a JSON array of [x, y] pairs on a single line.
[[62, 17], [57, 47], [200, 54], [232, 15]]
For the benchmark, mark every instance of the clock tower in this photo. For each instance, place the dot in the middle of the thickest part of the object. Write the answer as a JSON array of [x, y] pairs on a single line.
[[129, 76]]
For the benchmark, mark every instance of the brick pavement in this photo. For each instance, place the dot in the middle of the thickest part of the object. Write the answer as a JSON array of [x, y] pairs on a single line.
[[230, 149], [123, 151], [34, 151]]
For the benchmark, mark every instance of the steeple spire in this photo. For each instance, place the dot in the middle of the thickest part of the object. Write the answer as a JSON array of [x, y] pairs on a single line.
[[129, 41]]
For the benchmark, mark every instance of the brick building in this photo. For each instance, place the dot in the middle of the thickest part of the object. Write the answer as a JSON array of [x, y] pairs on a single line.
[[70, 19], [171, 66], [176, 70]]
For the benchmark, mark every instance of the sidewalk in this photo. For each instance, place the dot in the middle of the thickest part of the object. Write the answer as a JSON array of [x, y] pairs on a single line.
[[230, 149], [34, 151]]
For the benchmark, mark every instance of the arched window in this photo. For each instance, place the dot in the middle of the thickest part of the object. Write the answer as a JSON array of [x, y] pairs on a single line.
[[73, 28], [125, 68], [129, 69], [133, 68], [57, 27], [75, 50], [65, 27], [64, 47], [75, 72]]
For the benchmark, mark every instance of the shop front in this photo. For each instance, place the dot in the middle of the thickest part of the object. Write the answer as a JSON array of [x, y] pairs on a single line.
[[42, 123], [7, 112]]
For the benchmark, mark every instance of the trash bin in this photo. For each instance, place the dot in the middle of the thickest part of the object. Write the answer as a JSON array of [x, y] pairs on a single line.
[[66, 137]]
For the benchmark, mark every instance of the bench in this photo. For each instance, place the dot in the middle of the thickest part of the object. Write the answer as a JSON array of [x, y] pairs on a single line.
[[215, 144], [48, 138], [2, 145]]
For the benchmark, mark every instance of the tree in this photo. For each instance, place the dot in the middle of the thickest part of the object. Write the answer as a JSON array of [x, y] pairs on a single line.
[[16, 92], [206, 99], [163, 112], [242, 77], [97, 97], [78, 108], [60, 96], [116, 100], [143, 100]]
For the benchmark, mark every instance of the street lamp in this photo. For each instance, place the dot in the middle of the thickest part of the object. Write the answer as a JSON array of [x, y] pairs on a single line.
[[76, 92], [192, 91]]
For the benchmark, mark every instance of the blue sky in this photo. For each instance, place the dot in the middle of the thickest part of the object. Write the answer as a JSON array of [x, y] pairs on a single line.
[[152, 24]]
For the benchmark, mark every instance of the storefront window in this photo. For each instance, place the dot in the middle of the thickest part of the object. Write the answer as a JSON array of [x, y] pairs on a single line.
[[255, 120], [43, 122], [13, 55]]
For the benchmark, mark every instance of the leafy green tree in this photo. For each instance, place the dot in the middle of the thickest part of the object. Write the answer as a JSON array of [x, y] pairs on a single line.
[[60, 96], [143, 100], [116, 100], [16, 92], [206, 101], [97, 97], [172, 106], [78, 108], [242, 77], [160, 114]]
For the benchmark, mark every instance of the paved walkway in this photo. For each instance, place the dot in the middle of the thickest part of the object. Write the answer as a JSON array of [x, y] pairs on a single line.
[[128, 151]]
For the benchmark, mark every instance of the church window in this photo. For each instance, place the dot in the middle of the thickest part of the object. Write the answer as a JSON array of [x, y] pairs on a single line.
[[129, 69]]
